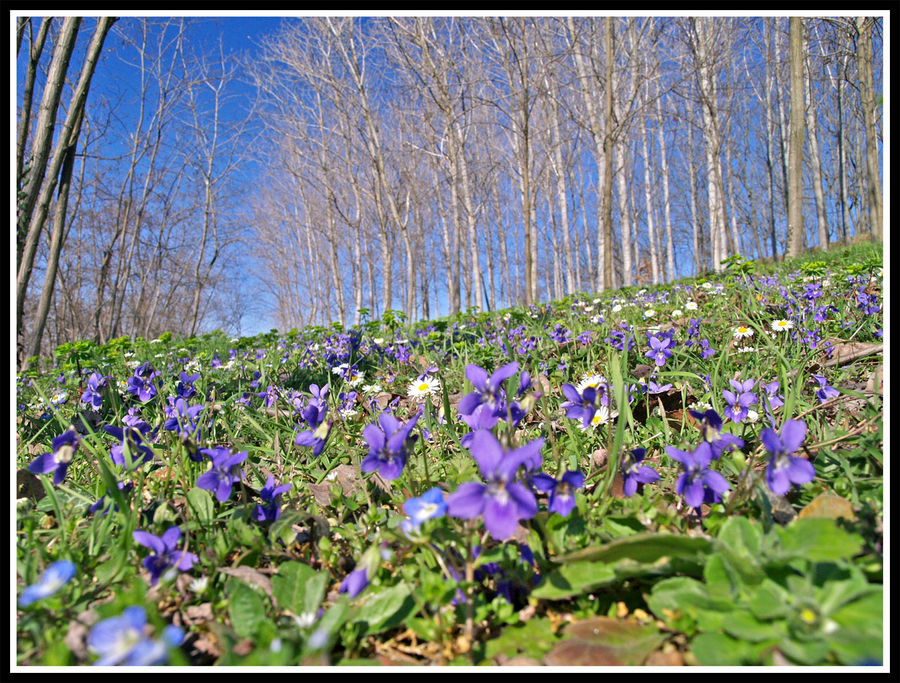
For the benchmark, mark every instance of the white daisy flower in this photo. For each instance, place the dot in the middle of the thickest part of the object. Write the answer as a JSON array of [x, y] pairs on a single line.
[[706, 285], [782, 325], [601, 417], [595, 301], [357, 378], [741, 332], [596, 320], [649, 313], [337, 370], [371, 389], [378, 340], [677, 313], [423, 388], [746, 349], [305, 619], [617, 308], [691, 305], [590, 381]]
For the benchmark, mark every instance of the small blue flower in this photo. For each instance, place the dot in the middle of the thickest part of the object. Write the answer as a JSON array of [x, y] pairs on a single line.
[[502, 501], [562, 491], [784, 468], [121, 640], [54, 577], [64, 448], [697, 483], [634, 473], [824, 392], [165, 553], [224, 472], [430, 505], [271, 510]]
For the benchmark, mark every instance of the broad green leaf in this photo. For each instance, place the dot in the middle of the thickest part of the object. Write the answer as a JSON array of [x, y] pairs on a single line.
[[534, 638], [817, 540], [201, 504], [719, 649], [573, 579], [647, 547], [298, 588], [744, 625], [385, 608], [768, 600], [246, 609]]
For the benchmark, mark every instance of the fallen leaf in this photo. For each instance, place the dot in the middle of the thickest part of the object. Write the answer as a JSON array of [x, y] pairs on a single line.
[[662, 658], [830, 507], [250, 575], [579, 653]]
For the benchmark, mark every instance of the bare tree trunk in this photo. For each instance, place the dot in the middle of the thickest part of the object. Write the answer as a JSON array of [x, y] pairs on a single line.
[[60, 168], [34, 57], [624, 217], [814, 158], [842, 154], [648, 198], [664, 172], [796, 227], [867, 96], [608, 140]]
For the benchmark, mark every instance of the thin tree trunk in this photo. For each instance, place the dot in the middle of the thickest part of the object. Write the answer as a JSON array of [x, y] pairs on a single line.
[[796, 227], [867, 96]]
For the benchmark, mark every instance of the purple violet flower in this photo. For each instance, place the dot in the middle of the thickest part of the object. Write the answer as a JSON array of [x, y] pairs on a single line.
[[739, 403], [562, 491], [388, 442], [824, 392], [580, 406], [165, 553], [502, 501], [93, 395], [697, 483], [270, 510], [64, 448], [134, 438], [711, 432], [224, 472], [53, 578], [633, 473], [784, 468], [487, 389]]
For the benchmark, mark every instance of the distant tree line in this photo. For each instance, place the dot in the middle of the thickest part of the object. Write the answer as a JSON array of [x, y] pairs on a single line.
[[427, 164]]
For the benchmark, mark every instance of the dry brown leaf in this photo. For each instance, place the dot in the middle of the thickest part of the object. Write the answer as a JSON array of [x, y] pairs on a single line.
[[250, 575], [578, 653], [830, 507]]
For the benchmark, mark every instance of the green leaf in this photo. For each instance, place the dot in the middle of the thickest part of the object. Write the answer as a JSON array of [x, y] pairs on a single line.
[[385, 609], [573, 579], [647, 547], [246, 609], [860, 638], [201, 504], [747, 627], [298, 588], [681, 597], [768, 600], [817, 540], [719, 649], [534, 639]]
